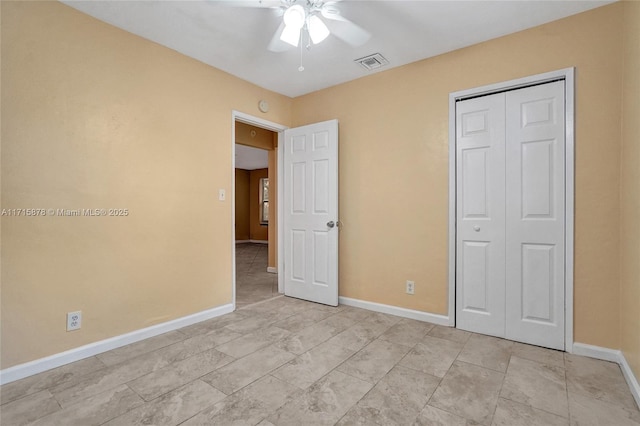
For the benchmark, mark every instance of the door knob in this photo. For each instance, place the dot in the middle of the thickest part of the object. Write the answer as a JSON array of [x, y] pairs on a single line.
[[476, 228], [331, 224]]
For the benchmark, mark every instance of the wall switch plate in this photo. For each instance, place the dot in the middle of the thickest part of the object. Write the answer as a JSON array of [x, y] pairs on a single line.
[[411, 287], [222, 195], [74, 320]]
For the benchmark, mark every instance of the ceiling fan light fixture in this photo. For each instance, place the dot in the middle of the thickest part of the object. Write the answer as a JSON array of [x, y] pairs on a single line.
[[290, 35], [318, 31], [295, 16]]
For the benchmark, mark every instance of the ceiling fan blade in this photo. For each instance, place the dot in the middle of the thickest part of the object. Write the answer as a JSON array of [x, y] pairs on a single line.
[[346, 30], [276, 45]]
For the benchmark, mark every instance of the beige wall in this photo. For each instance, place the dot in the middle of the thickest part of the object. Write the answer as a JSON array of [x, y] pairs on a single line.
[[630, 191], [94, 117], [397, 122], [242, 204], [257, 230]]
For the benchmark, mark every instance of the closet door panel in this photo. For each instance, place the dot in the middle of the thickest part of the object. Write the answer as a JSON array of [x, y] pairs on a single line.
[[480, 244], [535, 215]]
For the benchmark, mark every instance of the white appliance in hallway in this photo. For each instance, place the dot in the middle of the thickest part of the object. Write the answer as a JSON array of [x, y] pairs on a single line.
[[510, 214], [311, 212]]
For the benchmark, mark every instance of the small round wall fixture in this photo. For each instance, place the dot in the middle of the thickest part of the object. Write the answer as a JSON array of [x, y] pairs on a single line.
[[263, 106]]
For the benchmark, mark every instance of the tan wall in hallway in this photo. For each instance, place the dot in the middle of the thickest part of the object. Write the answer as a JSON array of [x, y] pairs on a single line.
[[257, 231], [95, 117], [262, 138], [397, 121], [248, 225], [242, 205], [630, 191]]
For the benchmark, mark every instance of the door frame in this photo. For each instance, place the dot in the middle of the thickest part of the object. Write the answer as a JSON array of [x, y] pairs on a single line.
[[568, 75], [279, 129]]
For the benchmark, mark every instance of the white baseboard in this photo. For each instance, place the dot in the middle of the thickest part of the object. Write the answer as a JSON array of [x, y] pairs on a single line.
[[631, 379], [612, 355], [596, 352], [242, 241], [43, 364], [272, 270], [395, 310], [259, 241]]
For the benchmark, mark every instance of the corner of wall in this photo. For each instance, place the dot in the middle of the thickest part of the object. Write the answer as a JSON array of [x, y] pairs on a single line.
[[629, 194]]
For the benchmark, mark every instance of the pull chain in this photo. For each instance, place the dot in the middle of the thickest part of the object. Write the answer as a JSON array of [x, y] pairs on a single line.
[[301, 67]]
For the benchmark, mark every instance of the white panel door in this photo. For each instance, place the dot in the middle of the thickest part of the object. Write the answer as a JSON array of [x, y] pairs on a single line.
[[510, 215], [535, 215], [311, 212], [480, 244]]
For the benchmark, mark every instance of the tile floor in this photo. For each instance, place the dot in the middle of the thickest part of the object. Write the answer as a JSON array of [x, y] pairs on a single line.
[[253, 282], [290, 362]]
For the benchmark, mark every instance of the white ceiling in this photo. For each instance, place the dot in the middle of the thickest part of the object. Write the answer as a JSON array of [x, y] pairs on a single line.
[[234, 39], [249, 158]]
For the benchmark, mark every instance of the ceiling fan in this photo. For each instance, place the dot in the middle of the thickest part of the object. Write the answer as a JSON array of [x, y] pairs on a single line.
[[308, 22]]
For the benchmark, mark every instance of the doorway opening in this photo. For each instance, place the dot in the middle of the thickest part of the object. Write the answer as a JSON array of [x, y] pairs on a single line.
[[307, 211], [256, 271], [255, 210]]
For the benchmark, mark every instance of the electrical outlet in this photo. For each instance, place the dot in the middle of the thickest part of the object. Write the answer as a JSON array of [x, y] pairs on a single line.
[[411, 287], [74, 320]]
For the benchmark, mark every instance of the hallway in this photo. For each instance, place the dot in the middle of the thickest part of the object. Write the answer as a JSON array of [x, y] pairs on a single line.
[[253, 282]]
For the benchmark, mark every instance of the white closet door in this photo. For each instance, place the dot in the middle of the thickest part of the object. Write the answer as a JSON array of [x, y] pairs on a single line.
[[510, 215], [480, 244], [535, 215]]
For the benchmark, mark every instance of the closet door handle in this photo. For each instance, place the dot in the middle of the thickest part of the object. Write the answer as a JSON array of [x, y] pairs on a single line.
[[476, 228]]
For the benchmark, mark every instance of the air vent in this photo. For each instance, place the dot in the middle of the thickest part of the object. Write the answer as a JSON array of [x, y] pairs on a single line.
[[372, 62]]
